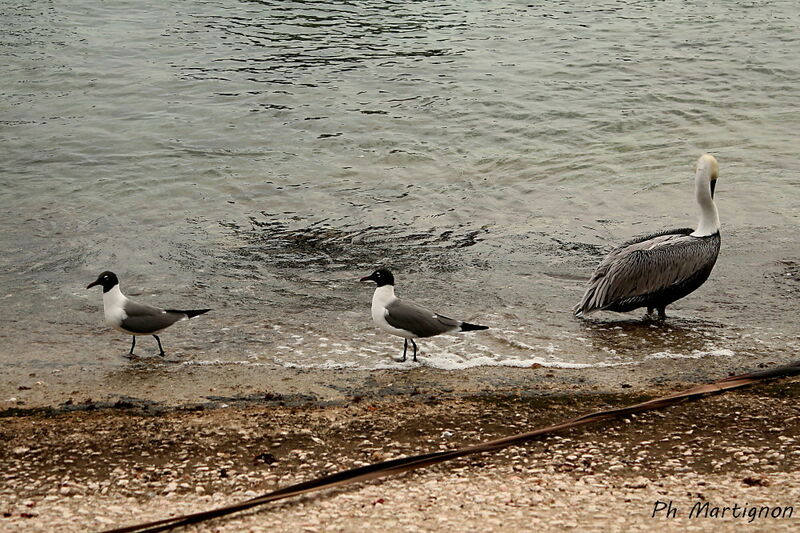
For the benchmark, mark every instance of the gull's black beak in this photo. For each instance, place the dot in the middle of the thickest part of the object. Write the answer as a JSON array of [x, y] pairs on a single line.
[[92, 284], [367, 278]]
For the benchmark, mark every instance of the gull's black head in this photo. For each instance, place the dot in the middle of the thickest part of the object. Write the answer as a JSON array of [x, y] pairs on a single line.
[[107, 279], [381, 277]]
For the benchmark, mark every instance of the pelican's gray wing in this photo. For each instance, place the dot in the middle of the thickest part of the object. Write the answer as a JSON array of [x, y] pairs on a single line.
[[648, 265], [418, 320], [143, 318]]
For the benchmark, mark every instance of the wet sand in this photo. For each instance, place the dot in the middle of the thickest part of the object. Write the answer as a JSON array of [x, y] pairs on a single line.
[[90, 466], [148, 381]]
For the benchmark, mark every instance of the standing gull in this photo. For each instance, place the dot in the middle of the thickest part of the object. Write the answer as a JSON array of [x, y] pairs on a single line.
[[136, 319], [407, 319], [655, 270]]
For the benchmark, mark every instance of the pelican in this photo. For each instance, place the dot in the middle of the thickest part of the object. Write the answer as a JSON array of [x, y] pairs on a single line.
[[657, 269]]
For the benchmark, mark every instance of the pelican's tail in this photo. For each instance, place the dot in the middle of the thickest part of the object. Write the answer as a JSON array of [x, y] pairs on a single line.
[[585, 307]]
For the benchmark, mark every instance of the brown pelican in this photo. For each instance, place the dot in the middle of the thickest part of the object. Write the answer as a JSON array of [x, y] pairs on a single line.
[[655, 270], [133, 318], [407, 319]]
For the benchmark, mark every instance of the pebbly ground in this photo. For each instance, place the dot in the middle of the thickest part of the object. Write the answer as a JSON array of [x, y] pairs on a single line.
[[88, 467]]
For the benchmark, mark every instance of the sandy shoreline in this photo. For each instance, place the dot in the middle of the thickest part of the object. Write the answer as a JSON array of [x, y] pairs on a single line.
[[149, 381], [101, 467]]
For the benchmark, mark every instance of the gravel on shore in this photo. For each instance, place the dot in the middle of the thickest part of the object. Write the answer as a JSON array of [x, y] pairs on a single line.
[[102, 468]]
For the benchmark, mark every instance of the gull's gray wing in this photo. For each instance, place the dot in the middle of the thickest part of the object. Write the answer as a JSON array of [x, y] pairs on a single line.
[[646, 265], [143, 318], [418, 320]]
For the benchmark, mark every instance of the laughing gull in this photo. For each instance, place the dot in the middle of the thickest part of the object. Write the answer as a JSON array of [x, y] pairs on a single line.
[[136, 319], [407, 319]]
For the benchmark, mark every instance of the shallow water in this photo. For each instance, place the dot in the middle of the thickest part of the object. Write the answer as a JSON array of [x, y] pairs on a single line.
[[259, 158]]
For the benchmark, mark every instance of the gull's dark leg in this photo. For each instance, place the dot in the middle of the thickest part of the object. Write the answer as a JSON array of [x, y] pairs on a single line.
[[414, 344], [132, 344], [159, 345], [662, 312], [650, 311], [405, 347]]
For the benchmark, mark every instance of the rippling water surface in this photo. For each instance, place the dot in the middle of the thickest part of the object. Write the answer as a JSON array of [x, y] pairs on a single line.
[[259, 157]]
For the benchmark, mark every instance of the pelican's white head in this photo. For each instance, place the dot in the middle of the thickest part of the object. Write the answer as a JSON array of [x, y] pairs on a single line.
[[708, 163], [708, 170], [705, 181]]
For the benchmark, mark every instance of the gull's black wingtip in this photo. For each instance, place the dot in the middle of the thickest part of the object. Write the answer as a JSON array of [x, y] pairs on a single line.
[[191, 313], [466, 326]]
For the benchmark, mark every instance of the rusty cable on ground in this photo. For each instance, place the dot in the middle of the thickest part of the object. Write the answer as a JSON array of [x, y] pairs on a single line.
[[405, 464]]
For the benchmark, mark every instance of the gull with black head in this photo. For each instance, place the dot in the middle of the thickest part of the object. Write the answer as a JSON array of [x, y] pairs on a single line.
[[655, 270], [134, 318], [407, 319]]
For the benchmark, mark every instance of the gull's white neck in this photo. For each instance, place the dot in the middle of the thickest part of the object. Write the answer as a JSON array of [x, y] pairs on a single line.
[[114, 307], [383, 296], [113, 299], [709, 218]]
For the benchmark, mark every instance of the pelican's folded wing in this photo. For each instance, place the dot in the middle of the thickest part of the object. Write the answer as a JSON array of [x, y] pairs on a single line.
[[647, 265]]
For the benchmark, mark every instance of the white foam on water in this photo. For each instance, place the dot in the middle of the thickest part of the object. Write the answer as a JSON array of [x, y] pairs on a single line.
[[695, 354], [457, 362], [458, 354], [328, 364], [219, 362], [439, 358], [366, 352], [450, 361]]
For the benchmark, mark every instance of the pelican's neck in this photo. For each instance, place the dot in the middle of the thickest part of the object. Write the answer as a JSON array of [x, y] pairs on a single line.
[[709, 218], [383, 296], [113, 298]]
